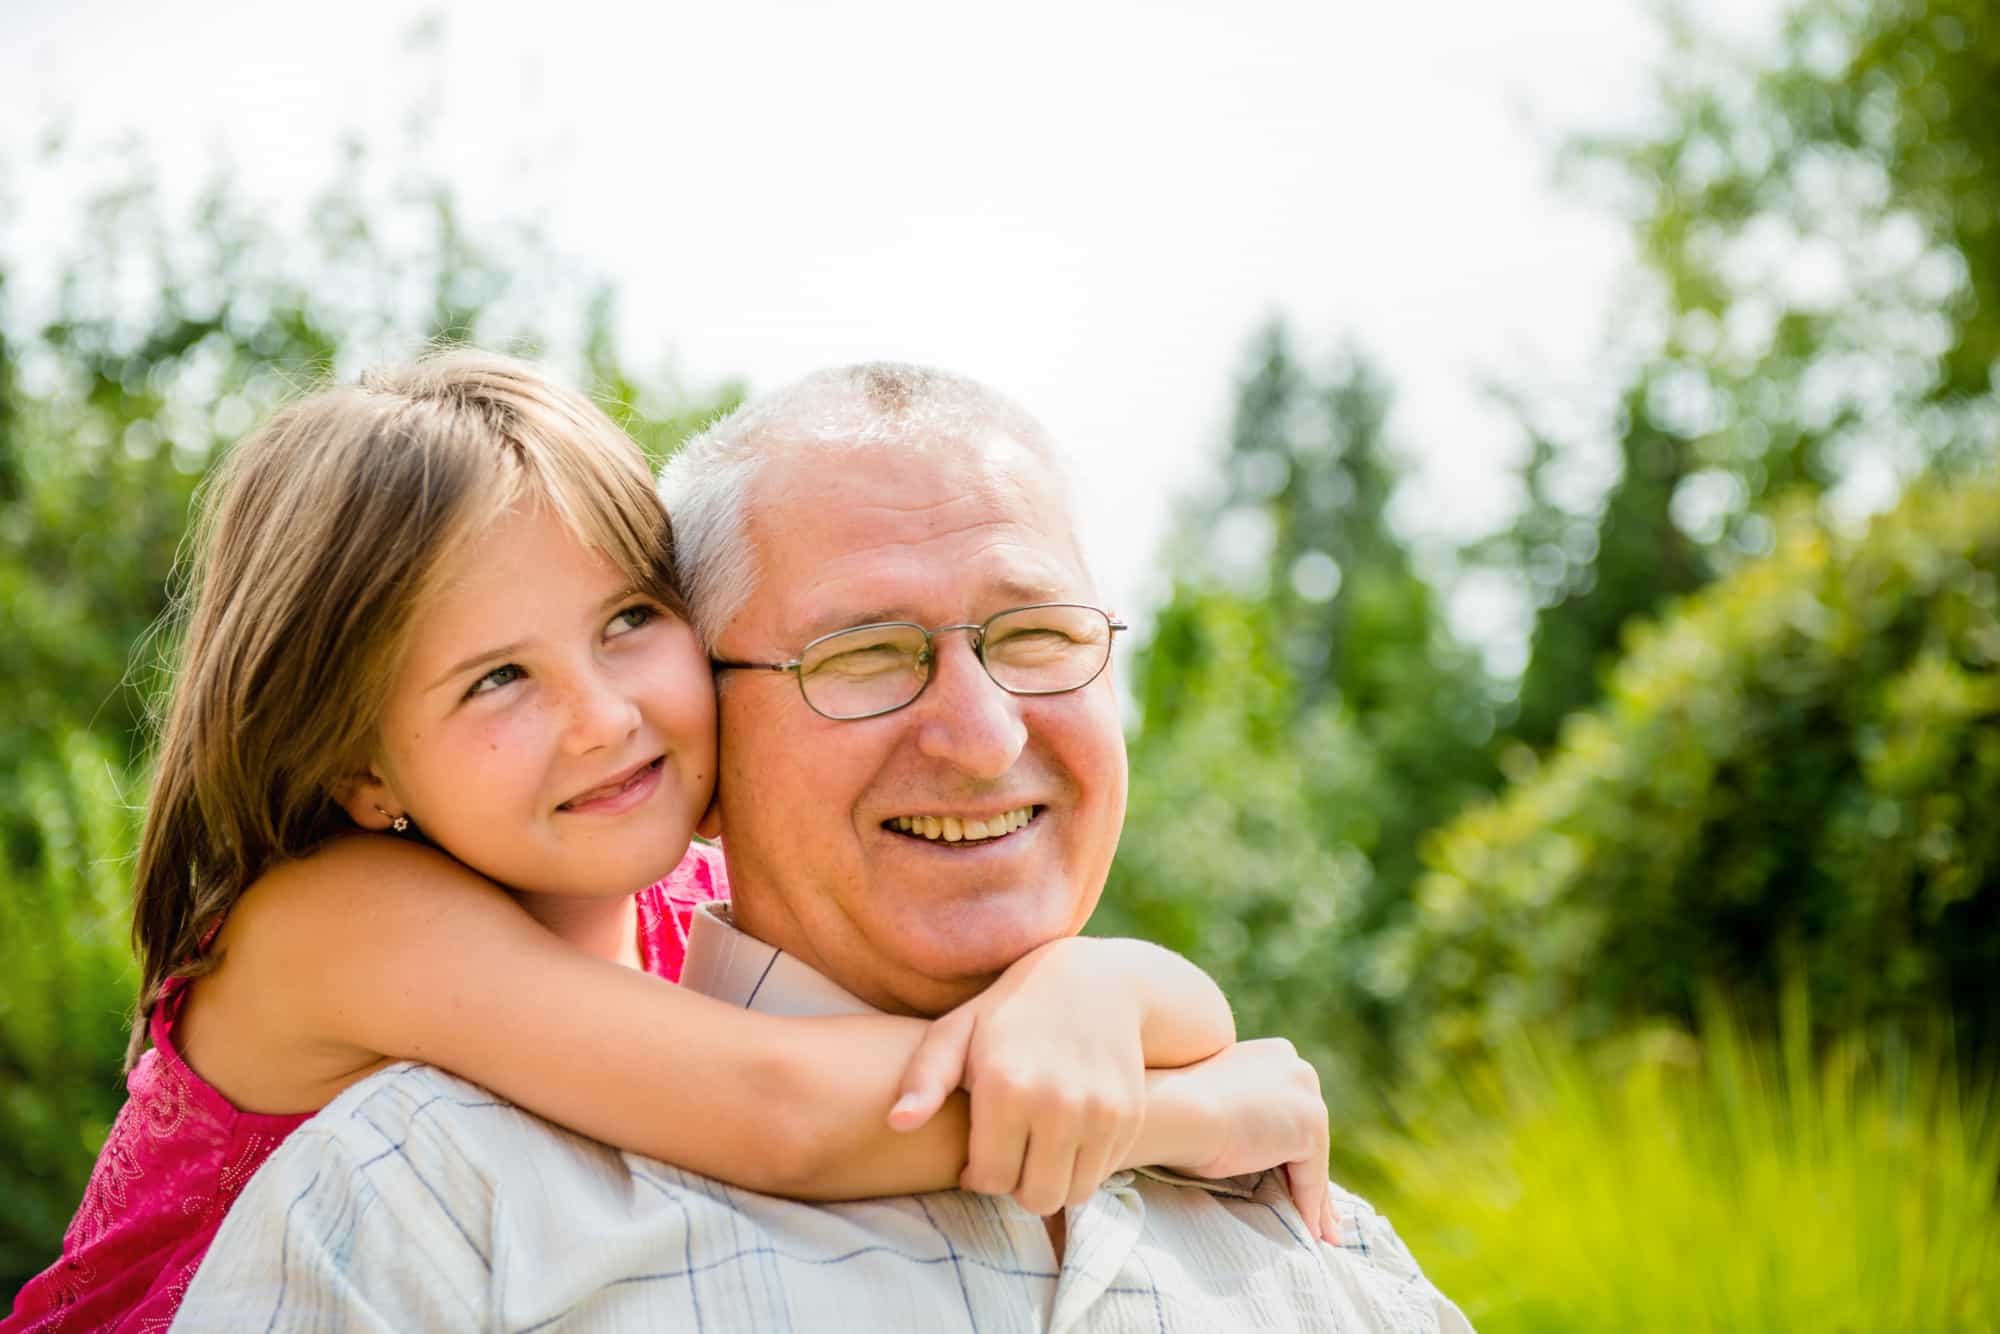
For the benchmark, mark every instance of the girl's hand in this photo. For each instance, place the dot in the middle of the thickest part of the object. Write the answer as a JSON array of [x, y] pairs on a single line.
[[1250, 1107], [1052, 1055]]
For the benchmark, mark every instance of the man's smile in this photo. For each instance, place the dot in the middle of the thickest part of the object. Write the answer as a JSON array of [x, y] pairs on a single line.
[[964, 829]]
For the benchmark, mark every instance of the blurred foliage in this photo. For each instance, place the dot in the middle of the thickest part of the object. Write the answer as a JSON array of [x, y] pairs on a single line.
[[1817, 221], [1305, 716], [1797, 768], [1728, 1182], [69, 984], [1807, 331], [1793, 769], [166, 331]]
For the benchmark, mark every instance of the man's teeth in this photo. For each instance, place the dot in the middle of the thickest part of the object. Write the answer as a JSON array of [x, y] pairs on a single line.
[[952, 829]]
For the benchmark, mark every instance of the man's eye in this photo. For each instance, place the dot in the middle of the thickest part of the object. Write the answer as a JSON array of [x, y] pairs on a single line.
[[634, 616], [858, 663], [1028, 645], [493, 680]]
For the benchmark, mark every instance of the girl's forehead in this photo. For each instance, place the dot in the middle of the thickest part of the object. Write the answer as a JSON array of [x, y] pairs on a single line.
[[526, 568]]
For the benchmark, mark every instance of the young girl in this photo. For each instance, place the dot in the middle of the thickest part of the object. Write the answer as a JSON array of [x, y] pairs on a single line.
[[441, 604]]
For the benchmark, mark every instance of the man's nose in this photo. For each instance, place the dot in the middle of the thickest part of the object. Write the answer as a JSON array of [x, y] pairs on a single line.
[[600, 713], [963, 718]]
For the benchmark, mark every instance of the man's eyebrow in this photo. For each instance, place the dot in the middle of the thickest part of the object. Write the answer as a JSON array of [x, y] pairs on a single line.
[[832, 621], [1000, 595]]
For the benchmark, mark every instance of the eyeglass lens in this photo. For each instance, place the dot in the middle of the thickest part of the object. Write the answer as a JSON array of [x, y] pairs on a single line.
[[1029, 651]]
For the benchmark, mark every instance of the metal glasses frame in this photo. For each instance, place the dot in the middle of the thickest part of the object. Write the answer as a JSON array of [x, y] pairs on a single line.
[[928, 655]]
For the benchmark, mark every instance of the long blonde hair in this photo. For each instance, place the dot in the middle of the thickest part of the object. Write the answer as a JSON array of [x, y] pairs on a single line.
[[317, 537]]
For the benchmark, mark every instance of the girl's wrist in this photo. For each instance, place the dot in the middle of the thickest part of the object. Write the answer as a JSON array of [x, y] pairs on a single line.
[[1181, 1128]]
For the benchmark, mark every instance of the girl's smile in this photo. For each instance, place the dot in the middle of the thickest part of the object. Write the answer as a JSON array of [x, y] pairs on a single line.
[[620, 794]]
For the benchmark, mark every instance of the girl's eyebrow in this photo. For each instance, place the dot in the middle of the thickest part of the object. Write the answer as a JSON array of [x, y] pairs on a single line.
[[626, 593], [508, 650], [483, 656]]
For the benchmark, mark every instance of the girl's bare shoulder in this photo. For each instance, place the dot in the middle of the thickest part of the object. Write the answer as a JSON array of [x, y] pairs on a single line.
[[357, 885], [321, 952]]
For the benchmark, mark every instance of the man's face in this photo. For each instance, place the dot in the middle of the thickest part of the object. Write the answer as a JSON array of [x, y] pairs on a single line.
[[810, 805]]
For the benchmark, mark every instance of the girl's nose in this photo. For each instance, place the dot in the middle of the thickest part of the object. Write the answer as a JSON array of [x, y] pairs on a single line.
[[600, 714]]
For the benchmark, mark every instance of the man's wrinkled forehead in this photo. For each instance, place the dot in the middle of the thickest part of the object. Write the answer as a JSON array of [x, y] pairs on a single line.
[[883, 494]]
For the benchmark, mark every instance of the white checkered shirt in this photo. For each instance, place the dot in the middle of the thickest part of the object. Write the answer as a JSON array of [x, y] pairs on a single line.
[[416, 1201]]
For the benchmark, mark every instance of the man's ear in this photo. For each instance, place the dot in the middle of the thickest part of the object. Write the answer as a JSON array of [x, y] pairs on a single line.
[[710, 824], [368, 801]]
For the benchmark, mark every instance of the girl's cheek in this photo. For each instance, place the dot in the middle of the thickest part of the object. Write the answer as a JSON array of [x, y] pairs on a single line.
[[679, 688], [505, 734]]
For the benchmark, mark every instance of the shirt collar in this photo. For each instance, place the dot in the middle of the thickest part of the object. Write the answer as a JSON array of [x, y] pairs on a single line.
[[725, 962]]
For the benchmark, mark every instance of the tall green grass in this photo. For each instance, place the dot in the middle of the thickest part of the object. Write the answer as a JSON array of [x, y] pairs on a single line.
[[1723, 1183]]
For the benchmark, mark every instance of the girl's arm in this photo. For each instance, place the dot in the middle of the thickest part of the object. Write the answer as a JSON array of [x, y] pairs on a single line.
[[374, 950]]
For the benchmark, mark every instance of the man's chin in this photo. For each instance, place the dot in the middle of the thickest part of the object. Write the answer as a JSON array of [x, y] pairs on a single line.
[[949, 970]]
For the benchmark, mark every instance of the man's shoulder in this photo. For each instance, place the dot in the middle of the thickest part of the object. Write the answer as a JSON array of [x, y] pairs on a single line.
[[408, 1114], [405, 1089], [1373, 1276]]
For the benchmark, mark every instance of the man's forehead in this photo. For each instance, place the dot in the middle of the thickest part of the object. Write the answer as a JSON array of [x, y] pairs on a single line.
[[899, 534]]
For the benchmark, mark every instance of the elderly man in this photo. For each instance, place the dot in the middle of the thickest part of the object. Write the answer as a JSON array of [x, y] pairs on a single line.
[[922, 779]]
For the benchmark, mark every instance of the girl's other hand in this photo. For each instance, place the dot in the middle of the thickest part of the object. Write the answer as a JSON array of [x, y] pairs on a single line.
[[1251, 1107], [1052, 1056]]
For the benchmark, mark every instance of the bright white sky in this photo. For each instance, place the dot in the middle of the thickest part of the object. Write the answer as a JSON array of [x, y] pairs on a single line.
[[1088, 205]]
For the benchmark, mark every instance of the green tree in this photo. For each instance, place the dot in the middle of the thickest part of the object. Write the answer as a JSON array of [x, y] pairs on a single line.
[[1818, 225], [1305, 715]]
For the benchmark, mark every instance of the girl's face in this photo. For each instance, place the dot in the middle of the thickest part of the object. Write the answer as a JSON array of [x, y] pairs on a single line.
[[550, 728]]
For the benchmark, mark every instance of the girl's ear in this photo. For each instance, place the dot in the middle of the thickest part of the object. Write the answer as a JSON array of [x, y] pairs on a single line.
[[710, 824], [368, 800]]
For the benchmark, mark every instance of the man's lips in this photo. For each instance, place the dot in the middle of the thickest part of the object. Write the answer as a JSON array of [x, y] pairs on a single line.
[[625, 790]]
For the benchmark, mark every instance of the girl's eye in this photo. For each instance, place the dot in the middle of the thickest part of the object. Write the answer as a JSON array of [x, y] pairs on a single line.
[[493, 680], [633, 617]]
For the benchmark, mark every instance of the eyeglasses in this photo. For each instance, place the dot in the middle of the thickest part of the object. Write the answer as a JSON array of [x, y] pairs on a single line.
[[1049, 648]]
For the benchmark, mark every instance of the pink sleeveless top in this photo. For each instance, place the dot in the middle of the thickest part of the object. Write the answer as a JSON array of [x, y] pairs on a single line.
[[179, 1153]]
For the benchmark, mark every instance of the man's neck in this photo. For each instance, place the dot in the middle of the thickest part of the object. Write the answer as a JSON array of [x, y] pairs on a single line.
[[765, 917]]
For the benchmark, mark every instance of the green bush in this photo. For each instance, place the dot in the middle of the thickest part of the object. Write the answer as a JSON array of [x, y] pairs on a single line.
[[1798, 765], [1664, 1183], [67, 1004]]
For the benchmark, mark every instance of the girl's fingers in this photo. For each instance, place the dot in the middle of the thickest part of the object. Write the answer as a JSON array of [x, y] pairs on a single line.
[[1046, 1173], [934, 1072], [1093, 1164], [1107, 1142], [1329, 1223], [995, 1152], [1308, 1185]]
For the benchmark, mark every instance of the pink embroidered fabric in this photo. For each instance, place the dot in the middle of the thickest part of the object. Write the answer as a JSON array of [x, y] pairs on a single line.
[[179, 1154]]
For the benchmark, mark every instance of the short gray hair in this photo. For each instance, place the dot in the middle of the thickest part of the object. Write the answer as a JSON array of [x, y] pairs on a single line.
[[710, 483]]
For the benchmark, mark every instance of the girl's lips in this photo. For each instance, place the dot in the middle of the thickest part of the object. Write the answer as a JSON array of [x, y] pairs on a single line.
[[619, 795]]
